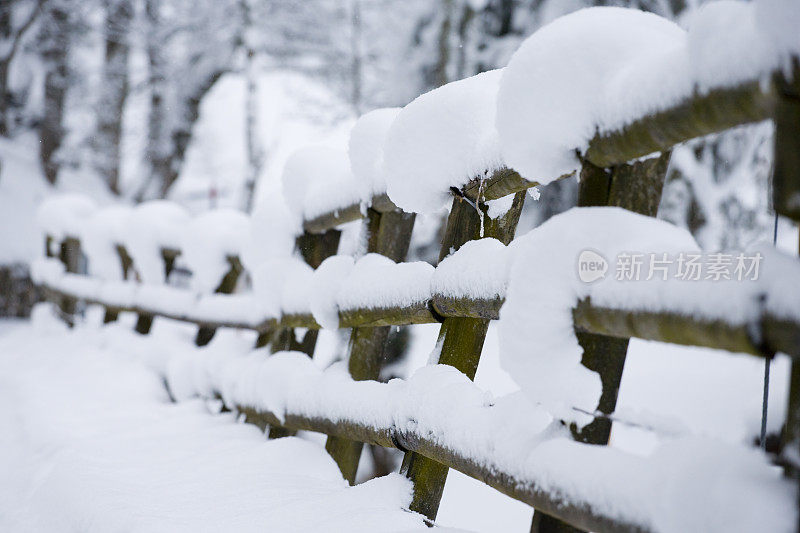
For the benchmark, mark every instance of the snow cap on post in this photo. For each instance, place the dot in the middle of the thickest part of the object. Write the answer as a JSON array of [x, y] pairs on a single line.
[[63, 215], [271, 281], [377, 282], [207, 242], [271, 233], [154, 226], [444, 138], [553, 95], [538, 346], [325, 282], [317, 179], [100, 235], [478, 270], [367, 139]]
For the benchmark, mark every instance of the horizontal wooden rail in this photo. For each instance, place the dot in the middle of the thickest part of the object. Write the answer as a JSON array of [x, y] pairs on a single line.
[[763, 335], [700, 115], [322, 223], [266, 325], [579, 514]]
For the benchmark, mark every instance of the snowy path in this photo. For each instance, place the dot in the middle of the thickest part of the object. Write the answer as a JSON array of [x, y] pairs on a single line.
[[91, 443]]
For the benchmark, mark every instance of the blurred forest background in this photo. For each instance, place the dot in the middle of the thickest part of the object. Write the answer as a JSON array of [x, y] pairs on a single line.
[[201, 101]]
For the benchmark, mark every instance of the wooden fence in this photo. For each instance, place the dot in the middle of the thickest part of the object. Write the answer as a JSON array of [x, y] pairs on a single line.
[[612, 175]]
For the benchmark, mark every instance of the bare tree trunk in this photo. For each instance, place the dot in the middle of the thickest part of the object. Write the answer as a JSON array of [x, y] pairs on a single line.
[[10, 40], [54, 42], [156, 149], [356, 55], [252, 142], [119, 14], [6, 32], [182, 134], [169, 123], [440, 75], [463, 25]]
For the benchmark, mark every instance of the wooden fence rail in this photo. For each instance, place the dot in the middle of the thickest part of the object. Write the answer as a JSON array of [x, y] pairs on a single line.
[[765, 334], [607, 178]]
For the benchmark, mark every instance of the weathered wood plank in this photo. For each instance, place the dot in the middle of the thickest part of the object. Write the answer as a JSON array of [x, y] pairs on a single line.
[[145, 320], [786, 200], [501, 183], [700, 115], [580, 514], [448, 306], [786, 166], [697, 116], [226, 286], [416, 313], [70, 255], [776, 333], [461, 339], [126, 263], [322, 223]]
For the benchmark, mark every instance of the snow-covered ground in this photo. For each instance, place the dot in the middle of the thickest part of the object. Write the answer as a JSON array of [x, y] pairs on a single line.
[[90, 442]]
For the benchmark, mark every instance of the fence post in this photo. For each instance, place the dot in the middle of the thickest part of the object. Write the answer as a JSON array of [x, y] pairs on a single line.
[[461, 338], [388, 234], [636, 187], [126, 263], [786, 201], [70, 256], [226, 286], [315, 248], [48, 246], [145, 320]]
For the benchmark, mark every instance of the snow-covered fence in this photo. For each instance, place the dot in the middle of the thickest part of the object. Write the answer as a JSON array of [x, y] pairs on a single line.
[[602, 117]]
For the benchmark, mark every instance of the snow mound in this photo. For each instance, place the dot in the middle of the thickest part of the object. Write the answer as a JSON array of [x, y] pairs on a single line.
[[91, 443], [154, 226], [552, 92], [45, 270], [64, 215], [537, 338], [378, 282], [272, 278], [599, 69], [297, 290], [326, 283], [367, 139], [728, 43], [479, 269], [100, 235], [317, 179], [271, 233], [443, 139], [709, 502], [207, 242]]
